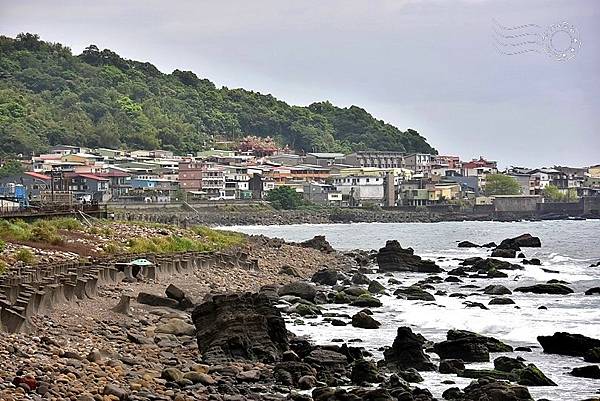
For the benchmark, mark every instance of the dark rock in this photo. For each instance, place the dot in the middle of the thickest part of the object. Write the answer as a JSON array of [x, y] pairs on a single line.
[[413, 293], [453, 279], [468, 346], [496, 289], [290, 372], [470, 304], [239, 326], [299, 289], [568, 344], [175, 292], [467, 244], [364, 321], [393, 257], [318, 242], [471, 261], [524, 240], [327, 359], [501, 301], [532, 376], [450, 366], [523, 349], [489, 245], [504, 253], [410, 375], [156, 300], [589, 372], [366, 301], [360, 279], [507, 364], [407, 352], [555, 289], [453, 393], [364, 371], [338, 322], [325, 277], [375, 287], [592, 355], [593, 291], [492, 390]]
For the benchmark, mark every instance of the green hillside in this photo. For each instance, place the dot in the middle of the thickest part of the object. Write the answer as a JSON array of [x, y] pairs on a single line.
[[49, 96]]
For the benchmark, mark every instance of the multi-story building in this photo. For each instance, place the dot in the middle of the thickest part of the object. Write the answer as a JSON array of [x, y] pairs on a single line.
[[419, 162], [322, 194], [358, 190], [190, 175], [378, 159]]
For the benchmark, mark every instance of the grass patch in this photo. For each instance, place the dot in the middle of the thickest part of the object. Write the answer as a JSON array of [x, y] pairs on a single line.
[[2, 246], [170, 244], [219, 238]]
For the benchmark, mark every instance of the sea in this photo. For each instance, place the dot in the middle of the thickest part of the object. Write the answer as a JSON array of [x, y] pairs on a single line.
[[569, 247]]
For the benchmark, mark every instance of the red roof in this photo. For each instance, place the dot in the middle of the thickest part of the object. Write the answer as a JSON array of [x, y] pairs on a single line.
[[91, 177], [37, 175]]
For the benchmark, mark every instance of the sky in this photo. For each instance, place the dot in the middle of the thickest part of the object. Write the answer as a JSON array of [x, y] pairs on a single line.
[[446, 68]]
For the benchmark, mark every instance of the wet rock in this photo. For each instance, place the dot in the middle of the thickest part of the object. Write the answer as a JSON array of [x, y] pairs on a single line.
[[450, 366], [290, 372], [325, 277], [366, 301], [504, 253], [589, 372], [593, 291], [592, 355], [563, 343], [410, 375], [485, 389], [414, 292], [299, 289], [360, 279], [240, 326], [307, 382], [407, 352], [364, 321], [171, 374], [364, 371], [555, 289], [469, 346], [496, 289], [327, 359], [375, 287], [393, 257], [524, 241], [501, 301], [467, 244]]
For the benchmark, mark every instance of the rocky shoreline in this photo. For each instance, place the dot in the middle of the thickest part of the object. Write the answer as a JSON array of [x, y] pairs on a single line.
[[227, 217], [222, 334]]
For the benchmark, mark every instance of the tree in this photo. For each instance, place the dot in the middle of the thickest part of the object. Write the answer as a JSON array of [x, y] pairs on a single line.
[[500, 184], [10, 168], [284, 197], [553, 194]]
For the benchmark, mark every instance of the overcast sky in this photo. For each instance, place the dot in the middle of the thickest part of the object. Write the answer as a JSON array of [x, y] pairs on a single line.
[[431, 65]]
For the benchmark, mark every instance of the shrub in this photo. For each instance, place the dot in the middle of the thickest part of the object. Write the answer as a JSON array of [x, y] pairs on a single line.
[[25, 256], [3, 267], [45, 231], [66, 223], [2, 246]]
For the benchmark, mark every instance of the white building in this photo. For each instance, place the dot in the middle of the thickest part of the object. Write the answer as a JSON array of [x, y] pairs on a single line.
[[361, 189]]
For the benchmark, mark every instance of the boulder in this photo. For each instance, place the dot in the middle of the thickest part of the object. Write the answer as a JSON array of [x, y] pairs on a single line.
[[177, 327], [407, 352], [496, 289], [568, 344], [239, 326], [326, 359], [325, 277], [524, 241], [411, 375], [501, 301], [360, 279], [593, 291], [375, 287], [319, 243], [299, 289], [364, 371], [592, 355], [554, 289], [393, 257], [467, 244], [364, 321], [174, 292], [156, 300], [589, 372], [288, 270], [450, 366], [469, 346], [492, 390], [504, 253], [414, 293], [366, 301], [291, 372]]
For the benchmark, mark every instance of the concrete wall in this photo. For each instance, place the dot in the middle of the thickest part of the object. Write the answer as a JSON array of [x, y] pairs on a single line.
[[516, 204]]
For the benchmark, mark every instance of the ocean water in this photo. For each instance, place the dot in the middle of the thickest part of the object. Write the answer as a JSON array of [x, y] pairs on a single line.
[[568, 247]]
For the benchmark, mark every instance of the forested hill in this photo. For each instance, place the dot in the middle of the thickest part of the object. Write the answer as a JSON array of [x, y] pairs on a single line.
[[49, 96]]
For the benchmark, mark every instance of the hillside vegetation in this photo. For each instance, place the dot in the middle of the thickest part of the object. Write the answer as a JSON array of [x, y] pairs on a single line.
[[48, 96]]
